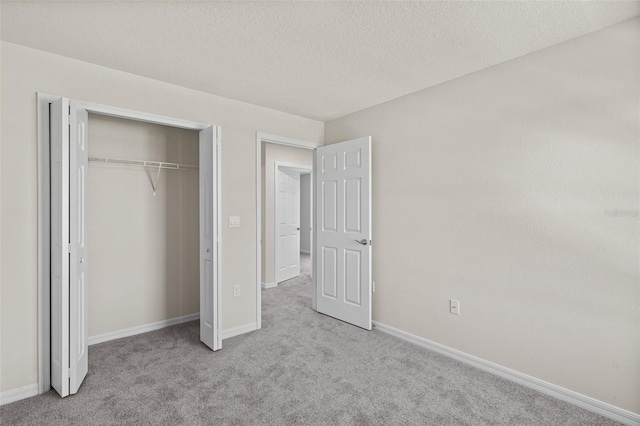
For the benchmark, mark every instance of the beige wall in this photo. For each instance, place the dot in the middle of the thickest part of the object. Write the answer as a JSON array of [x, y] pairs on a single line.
[[25, 71], [144, 249], [270, 154], [492, 189]]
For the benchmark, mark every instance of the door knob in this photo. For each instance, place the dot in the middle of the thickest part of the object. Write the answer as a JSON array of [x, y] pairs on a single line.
[[81, 260], [298, 229], [208, 250], [362, 241]]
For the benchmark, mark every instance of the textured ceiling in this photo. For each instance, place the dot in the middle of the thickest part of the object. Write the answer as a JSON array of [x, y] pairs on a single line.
[[315, 59]]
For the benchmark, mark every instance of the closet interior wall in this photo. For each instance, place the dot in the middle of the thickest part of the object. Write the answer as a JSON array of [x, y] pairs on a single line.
[[143, 248]]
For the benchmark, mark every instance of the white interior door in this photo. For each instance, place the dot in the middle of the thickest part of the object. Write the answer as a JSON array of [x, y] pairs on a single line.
[[209, 247], [69, 331], [59, 151], [78, 256], [287, 215], [342, 218]]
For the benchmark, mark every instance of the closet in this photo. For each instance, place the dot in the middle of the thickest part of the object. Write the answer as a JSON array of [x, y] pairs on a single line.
[[131, 237], [142, 223]]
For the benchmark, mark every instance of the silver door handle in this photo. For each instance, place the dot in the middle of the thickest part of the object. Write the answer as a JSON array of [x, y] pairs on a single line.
[[81, 260], [362, 241]]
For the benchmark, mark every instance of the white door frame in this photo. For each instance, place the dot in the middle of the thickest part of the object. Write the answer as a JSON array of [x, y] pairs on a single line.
[[278, 140], [44, 207], [300, 169]]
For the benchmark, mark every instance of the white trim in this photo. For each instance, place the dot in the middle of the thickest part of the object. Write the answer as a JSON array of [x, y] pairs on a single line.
[[279, 140], [44, 267], [283, 140], [269, 285], [13, 395], [44, 316], [218, 149], [563, 394], [145, 117], [140, 329], [296, 168], [314, 233], [305, 251], [241, 329]]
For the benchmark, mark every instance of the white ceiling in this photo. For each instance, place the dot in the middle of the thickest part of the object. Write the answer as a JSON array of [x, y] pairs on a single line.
[[315, 59]]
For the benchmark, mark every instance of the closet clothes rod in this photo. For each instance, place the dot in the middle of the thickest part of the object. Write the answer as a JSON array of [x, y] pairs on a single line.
[[143, 163]]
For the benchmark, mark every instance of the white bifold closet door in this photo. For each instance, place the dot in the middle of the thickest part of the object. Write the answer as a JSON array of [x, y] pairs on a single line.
[[69, 331], [342, 217], [209, 247]]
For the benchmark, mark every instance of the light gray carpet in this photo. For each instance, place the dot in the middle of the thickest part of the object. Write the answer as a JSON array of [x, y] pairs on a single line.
[[301, 368]]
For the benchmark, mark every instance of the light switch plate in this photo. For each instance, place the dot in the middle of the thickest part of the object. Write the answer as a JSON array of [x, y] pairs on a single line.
[[234, 221]]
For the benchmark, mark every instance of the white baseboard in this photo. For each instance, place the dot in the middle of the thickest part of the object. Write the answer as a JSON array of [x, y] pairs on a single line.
[[269, 285], [305, 251], [582, 401], [118, 334], [241, 329], [17, 394]]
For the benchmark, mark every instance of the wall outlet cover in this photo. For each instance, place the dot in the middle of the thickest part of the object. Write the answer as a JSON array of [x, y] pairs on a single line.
[[234, 221]]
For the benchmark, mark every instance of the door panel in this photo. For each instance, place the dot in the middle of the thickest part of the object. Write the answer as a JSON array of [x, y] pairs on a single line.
[[329, 277], [352, 278], [209, 314], [342, 176], [78, 259], [329, 205], [352, 211], [59, 151]]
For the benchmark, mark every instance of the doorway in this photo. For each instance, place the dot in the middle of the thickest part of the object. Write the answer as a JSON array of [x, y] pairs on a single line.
[[63, 255], [341, 248], [292, 226], [266, 176]]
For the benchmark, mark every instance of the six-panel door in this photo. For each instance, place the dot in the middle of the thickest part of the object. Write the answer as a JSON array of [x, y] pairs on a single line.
[[343, 231]]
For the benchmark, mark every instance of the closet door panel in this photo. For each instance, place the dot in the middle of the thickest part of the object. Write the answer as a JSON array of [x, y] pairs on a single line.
[[78, 259], [59, 151], [209, 315]]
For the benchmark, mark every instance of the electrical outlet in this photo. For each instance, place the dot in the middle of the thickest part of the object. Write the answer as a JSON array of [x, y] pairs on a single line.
[[234, 221], [454, 306], [236, 290]]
